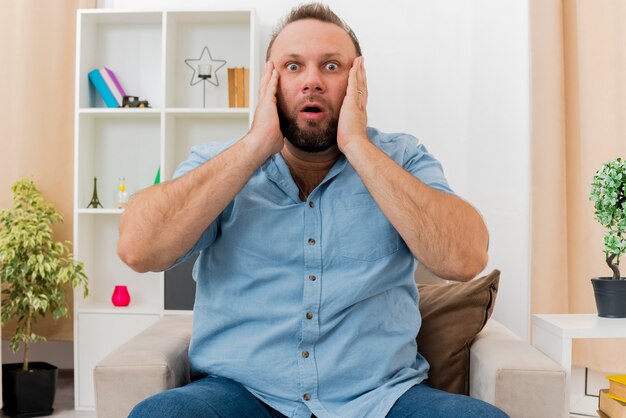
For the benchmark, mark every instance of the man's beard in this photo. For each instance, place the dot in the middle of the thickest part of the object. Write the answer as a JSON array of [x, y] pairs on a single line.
[[314, 139]]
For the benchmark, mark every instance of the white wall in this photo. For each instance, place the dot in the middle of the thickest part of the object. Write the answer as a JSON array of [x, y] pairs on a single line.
[[455, 73]]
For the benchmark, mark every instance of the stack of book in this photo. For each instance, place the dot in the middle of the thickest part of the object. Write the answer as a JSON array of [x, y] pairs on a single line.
[[613, 399], [108, 86], [238, 87]]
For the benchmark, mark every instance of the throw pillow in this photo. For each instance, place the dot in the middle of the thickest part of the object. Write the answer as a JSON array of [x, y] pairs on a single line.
[[452, 314]]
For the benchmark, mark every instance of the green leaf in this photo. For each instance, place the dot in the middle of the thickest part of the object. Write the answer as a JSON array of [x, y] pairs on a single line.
[[608, 193], [33, 267]]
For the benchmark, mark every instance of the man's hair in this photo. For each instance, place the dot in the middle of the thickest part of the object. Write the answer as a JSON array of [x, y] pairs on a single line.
[[316, 11]]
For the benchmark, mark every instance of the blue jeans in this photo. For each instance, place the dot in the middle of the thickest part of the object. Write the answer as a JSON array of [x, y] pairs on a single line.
[[424, 401], [225, 398]]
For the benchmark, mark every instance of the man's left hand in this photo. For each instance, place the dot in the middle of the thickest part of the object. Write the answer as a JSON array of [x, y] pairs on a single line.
[[352, 125]]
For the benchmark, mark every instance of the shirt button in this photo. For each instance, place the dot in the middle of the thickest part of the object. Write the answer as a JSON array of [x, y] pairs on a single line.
[[311, 204], [309, 315], [305, 354], [306, 396], [312, 278], [311, 241]]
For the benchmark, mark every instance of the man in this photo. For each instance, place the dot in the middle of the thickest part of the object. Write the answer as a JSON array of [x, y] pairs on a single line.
[[309, 229]]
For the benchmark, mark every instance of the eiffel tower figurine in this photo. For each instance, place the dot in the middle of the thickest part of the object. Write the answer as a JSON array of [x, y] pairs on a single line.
[[95, 202]]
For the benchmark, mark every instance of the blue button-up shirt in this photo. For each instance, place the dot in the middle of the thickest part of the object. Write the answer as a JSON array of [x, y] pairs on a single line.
[[310, 305]]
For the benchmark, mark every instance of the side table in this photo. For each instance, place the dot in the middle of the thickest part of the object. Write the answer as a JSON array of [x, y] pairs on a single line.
[[553, 335]]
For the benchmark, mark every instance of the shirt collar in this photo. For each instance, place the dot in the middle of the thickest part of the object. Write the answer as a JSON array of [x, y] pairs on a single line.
[[276, 170]]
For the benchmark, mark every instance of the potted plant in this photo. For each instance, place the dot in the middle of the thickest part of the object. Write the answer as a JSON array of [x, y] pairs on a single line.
[[34, 270], [608, 193]]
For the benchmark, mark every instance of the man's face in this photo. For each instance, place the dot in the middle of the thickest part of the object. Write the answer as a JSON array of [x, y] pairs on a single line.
[[313, 59]]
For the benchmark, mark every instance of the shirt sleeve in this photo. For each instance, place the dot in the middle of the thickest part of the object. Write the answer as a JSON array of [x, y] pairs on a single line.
[[199, 155], [423, 165]]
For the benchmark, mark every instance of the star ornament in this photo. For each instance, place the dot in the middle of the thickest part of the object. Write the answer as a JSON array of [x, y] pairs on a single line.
[[205, 61]]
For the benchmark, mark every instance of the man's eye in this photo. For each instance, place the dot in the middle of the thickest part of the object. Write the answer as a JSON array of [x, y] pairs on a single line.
[[331, 66], [293, 67]]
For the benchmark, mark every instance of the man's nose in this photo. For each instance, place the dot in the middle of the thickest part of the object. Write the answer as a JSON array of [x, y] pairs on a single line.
[[313, 81]]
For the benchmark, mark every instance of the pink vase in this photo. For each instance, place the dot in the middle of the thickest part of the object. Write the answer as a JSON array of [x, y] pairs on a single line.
[[120, 297]]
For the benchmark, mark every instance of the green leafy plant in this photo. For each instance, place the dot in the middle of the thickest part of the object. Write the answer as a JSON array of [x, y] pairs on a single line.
[[608, 193], [34, 269]]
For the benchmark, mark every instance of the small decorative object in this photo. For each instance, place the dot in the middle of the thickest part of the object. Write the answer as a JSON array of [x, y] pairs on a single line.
[[608, 192], [95, 202], [120, 297], [133, 101], [157, 178], [35, 271], [204, 70], [122, 195]]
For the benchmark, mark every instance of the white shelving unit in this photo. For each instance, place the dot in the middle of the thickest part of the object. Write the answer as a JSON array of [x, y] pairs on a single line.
[[147, 51]]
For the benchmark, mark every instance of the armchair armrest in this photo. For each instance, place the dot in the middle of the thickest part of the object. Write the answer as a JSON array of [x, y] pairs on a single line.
[[514, 376], [151, 362]]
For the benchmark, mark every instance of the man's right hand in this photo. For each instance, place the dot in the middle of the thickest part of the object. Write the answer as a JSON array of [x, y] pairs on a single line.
[[265, 132], [164, 221]]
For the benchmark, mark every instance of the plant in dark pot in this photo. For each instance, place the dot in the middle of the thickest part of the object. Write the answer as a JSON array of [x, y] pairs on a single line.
[[34, 270], [608, 193]]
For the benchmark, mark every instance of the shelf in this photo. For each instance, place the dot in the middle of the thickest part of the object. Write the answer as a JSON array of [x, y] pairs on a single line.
[[112, 17], [175, 312], [213, 17], [90, 211], [235, 113], [216, 112], [120, 112], [103, 307]]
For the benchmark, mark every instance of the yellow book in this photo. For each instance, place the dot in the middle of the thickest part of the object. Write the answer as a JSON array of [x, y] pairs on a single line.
[[232, 88], [617, 387], [611, 407], [239, 83], [246, 87]]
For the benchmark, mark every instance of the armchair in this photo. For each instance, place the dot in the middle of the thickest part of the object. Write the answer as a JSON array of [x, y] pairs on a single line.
[[504, 371]]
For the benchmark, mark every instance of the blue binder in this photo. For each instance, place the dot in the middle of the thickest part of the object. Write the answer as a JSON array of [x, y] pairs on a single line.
[[101, 86]]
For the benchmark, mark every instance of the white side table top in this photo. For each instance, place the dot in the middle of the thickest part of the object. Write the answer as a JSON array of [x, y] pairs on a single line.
[[581, 325]]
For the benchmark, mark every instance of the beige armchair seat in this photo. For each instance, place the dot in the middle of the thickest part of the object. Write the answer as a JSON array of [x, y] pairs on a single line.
[[504, 371]]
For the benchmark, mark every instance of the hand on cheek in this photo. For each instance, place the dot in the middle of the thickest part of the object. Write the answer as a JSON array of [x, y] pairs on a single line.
[[266, 126], [352, 126]]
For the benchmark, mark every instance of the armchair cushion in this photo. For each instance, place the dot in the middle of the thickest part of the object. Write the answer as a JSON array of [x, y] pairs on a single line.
[[452, 315]]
